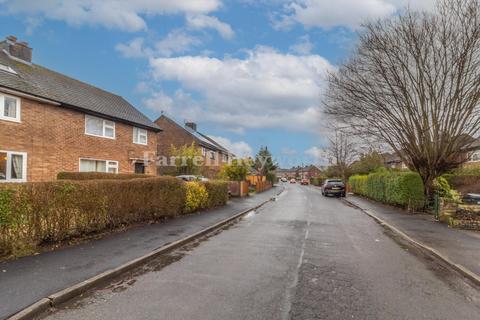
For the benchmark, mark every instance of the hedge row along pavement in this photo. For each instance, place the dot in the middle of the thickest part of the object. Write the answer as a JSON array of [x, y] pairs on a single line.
[[34, 214], [100, 175], [403, 189]]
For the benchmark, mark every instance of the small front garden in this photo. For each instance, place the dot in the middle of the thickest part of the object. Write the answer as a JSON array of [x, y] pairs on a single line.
[[36, 214], [405, 189]]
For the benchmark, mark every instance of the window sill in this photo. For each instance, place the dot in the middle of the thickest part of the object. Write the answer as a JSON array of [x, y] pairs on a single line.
[[97, 136], [140, 144], [10, 119]]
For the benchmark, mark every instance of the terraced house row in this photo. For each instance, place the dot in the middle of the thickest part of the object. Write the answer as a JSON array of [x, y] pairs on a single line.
[[51, 123]]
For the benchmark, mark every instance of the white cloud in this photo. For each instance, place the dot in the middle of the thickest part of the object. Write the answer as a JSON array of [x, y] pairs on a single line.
[[115, 14], [201, 21], [318, 155], [304, 46], [133, 49], [177, 41], [265, 89], [348, 13], [159, 102], [241, 149], [288, 151]]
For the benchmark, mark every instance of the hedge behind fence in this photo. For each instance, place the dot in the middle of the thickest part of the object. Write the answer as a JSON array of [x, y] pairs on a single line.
[[465, 181], [33, 214], [217, 193], [398, 188], [100, 176]]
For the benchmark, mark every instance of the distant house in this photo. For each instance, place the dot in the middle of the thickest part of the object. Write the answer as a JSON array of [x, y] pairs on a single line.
[[469, 159], [50, 122], [393, 161], [214, 155], [305, 172]]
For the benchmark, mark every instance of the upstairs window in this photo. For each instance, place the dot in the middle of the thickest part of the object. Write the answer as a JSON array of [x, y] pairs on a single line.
[[9, 108], [140, 136], [204, 152], [225, 157], [212, 155], [99, 127]]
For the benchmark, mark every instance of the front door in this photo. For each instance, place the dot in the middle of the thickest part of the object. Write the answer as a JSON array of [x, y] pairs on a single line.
[[139, 167]]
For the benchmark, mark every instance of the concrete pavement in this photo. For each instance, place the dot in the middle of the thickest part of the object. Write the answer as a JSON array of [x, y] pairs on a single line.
[[301, 257], [29, 279], [460, 246]]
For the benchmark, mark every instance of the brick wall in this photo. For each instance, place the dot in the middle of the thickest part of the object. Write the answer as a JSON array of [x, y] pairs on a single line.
[[54, 139], [174, 134]]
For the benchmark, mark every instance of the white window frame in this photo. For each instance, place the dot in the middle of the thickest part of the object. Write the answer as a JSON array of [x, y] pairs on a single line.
[[2, 108], [475, 153], [9, 166], [225, 157], [140, 132], [107, 164], [104, 127], [204, 151], [213, 155]]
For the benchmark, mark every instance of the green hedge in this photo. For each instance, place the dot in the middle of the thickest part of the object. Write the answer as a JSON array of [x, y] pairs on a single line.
[[217, 193], [398, 188], [100, 176], [466, 180], [358, 184], [33, 214]]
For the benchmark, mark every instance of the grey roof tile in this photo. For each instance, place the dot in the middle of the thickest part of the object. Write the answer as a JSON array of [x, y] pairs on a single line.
[[42, 82]]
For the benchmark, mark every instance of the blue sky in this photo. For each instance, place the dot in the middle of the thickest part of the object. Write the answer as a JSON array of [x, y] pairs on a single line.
[[250, 73]]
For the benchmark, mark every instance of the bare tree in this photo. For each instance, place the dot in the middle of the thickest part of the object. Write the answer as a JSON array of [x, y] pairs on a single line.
[[414, 82], [342, 151]]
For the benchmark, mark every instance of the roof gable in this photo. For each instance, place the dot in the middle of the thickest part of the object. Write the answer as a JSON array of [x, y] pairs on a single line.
[[202, 139]]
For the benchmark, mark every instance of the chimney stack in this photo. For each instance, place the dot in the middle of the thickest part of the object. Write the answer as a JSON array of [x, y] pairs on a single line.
[[19, 50], [191, 125]]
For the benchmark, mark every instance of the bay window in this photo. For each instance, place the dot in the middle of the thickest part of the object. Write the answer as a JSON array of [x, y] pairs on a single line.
[[93, 165], [9, 108], [140, 136], [99, 127], [13, 166]]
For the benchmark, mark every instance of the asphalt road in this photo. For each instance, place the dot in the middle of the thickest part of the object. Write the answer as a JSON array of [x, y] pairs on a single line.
[[300, 257], [29, 279]]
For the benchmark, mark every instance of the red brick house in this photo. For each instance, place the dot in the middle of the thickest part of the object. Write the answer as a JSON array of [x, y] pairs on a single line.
[[51, 123], [214, 155], [306, 172]]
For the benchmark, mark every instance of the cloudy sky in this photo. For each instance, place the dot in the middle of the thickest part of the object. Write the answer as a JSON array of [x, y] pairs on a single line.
[[249, 72]]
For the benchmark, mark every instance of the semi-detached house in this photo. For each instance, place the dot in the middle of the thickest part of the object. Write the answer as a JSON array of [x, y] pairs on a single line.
[[173, 134], [51, 123]]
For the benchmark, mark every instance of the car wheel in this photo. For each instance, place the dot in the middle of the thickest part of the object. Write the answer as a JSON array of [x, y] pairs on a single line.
[[343, 195]]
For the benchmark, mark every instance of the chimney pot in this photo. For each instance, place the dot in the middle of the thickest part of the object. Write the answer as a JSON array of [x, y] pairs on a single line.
[[191, 125], [18, 50]]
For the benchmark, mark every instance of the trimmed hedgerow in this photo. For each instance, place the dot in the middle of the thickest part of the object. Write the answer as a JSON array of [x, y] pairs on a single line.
[[217, 193], [100, 176], [397, 188], [35, 213], [358, 184], [405, 189], [376, 186], [196, 196]]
